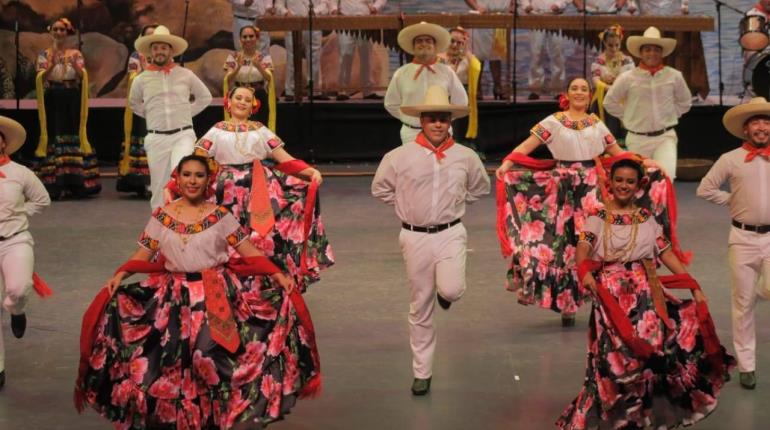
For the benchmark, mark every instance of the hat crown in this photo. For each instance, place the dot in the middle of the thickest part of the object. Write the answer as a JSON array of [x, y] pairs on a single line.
[[436, 96], [757, 100], [161, 30], [652, 32]]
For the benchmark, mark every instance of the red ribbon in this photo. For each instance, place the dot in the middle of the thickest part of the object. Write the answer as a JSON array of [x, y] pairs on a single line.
[[424, 67], [40, 286], [652, 70], [4, 159], [437, 151], [753, 152]]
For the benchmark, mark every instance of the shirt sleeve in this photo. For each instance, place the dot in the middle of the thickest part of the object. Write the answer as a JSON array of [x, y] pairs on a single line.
[[149, 237], [384, 183], [207, 142], [136, 96], [393, 96], [270, 140], [605, 133], [591, 230], [233, 231], [661, 241], [201, 94], [710, 186], [544, 129], [682, 95], [478, 179], [35, 195]]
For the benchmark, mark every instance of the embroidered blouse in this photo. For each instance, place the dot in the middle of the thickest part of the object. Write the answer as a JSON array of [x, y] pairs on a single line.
[[241, 144], [61, 71], [601, 68], [247, 73], [573, 140], [650, 241]]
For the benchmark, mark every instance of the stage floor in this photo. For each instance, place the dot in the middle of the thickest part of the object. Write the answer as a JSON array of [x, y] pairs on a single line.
[[498, 365]]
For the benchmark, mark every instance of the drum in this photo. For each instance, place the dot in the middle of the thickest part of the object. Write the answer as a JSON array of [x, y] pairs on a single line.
[[754, 33], [757, 74]]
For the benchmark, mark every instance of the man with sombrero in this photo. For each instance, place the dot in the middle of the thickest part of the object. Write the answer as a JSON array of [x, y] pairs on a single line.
[[161, 95], [21, 195], [429, 180], [650, 99], [411, 81], [747, 170]]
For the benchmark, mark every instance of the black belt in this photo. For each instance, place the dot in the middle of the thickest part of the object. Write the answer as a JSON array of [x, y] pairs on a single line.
[[246, 17], [3, 238], [194, 276], [412, 126], [653, 133], [176, 130], [430, 229], [755, 228]]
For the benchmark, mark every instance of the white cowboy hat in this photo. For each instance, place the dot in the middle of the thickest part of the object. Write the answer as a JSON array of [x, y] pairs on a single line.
[[14, 133], [438, 33], [737, 116], [651, 36], [436, 100], [161, 34]]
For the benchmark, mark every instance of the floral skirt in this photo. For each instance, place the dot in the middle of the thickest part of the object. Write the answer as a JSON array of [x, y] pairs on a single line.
[[135, 177], [285, 245], [65, 168], [544, 213], [154, 363], [678, 385]]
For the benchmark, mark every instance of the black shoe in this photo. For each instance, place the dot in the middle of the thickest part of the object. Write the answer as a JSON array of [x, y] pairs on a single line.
[[373, 96], [533, 96], [288, 98], [420, 387], [567, 320], [322, 97], [444, 303], [341, 97], [748, 380], [2, 379], [18, 325]]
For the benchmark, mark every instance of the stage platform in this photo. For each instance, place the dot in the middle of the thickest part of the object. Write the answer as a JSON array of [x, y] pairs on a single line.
[[330, 131]]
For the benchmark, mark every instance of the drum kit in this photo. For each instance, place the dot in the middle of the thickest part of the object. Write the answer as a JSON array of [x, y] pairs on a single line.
[[755, 36]]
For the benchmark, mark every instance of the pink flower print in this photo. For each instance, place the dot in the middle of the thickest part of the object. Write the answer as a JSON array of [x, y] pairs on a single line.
[[536, 203], [165, 411], [627, 302], [249, 364], [196, 292], [161, 316], [608, 392], [550, 204], [98, 357], [564, 215], [277, 338], [264, 244], [590, 204], [134, 332], [137, 369], [121, 393], [189, 390], [196, 321], [532, 231], [520, 201], [543, 253], [128, 308], [701, 401], [688, 327], [648, 328], [164, 388], [591, 177], [617, 363], [546, 300], [658, 194], [228, 193], [271, 389], [205, 368], [290, 374], [565, 302]]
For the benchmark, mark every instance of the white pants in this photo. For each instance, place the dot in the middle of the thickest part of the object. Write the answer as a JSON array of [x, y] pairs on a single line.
[[749, 257], [163, 154], [661, 148], [552, 43], [433, 261], [314, 44], [16, 265], [482, 41], [347, 45], [264, 37]]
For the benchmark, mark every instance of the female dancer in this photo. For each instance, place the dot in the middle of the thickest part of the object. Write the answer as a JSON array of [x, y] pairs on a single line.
[[21, 195], [653, 360], [610, 63], [251, 191], [541, 210], [190, 347], [65, 160], [133, 172]]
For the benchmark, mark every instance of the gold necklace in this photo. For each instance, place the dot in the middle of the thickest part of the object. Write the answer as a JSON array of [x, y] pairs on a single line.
[[183, 237], [240, 145], [621, 253]]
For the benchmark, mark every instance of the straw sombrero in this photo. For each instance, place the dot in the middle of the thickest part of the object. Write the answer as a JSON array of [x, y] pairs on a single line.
[[737, 116], [14, 133], [651, 36], [161, 34], [437, 32], [436, 100]]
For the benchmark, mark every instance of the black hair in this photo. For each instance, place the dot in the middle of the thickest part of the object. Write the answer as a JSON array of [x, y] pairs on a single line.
[[253, 27], [147, 27], [574, 78], [631, 164], [193, 157]]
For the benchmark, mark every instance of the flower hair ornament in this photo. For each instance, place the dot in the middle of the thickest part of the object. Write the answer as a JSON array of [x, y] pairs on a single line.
[[255, 103], [67, 25], [615, 30]]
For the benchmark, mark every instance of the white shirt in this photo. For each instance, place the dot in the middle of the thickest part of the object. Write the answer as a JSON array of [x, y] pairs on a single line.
[[604, 6], [164, 99], [356, 7], [404, 90], [21, 195], [661, 7], [301, 7], [426, 191], [647, 103], [573, 140], [495, 5], [749, 195], [542, 7], [228, 147], [257, 8]]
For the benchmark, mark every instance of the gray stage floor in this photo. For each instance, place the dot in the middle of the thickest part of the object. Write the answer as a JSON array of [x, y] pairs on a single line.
[[499, 365]]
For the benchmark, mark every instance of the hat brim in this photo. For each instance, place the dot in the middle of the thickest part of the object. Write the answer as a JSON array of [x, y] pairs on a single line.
[[456, 111], [635, 43], [143, 44], [14, 133], [737, 116], [437, 32]]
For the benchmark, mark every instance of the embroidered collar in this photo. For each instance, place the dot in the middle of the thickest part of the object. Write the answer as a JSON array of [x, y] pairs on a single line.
[[642, 215], [230, 126], [177, 226], [576, 125]]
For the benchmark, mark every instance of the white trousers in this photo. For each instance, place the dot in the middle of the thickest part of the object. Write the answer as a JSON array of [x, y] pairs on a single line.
[[163, 154], [314, 44], [264, 37], [749, 256], [16, 265], [433, 262], [661, 148], [552, 43], [347, 45]]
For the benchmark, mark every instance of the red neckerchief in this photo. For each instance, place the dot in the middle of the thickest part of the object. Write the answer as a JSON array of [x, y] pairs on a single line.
[[4, 159], [165, 69], [424, 66], [754, 152], [437, 151], [652, 70]]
